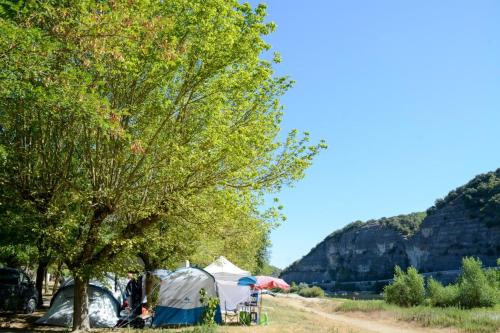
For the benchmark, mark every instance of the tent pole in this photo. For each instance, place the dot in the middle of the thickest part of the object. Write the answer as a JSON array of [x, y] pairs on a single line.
[[260, 306]]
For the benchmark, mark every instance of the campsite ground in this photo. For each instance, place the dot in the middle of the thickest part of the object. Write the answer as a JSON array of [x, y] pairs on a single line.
[[294, 314]]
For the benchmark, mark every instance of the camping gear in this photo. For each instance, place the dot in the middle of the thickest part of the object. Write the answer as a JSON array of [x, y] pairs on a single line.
[[269, 282], [105, 299], [231, 294], [263, 282], [252, 307], [247, 281], [224, 270], [264, 319], [179, 297]]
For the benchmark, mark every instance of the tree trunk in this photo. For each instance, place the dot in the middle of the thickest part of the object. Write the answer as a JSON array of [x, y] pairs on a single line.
[[47, 280], [81, 321], [40, 275], [150, 282], [57, 276]]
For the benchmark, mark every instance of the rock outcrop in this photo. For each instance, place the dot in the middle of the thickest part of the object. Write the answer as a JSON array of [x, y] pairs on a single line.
[[366, 252]]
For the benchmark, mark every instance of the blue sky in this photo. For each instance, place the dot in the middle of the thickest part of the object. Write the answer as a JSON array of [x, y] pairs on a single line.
[[407, 95]]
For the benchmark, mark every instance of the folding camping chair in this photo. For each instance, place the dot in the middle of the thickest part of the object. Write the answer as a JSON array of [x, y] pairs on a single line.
[[231, 315]]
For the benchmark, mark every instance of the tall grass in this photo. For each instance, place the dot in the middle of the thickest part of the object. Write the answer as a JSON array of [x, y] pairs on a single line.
[[363, 306], [477, 320]]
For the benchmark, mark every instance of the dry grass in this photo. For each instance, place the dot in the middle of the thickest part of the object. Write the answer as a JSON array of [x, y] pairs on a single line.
[[282, 318]]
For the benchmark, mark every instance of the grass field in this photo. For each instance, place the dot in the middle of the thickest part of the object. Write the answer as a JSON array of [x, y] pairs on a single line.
[[482, 320], [299, 315], [281, 319]]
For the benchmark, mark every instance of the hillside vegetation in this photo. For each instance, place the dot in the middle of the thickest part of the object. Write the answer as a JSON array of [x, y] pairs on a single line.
[[481, 197]]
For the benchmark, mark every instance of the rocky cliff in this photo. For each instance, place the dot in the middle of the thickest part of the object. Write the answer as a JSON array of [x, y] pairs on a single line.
[[464, 223]]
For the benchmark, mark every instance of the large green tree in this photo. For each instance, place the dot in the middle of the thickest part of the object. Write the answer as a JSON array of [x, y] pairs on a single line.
[[36, 126], [143, 116]]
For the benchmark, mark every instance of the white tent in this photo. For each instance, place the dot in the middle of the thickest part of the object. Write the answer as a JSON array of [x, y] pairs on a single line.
[[223, 269], [179, 299], [105, 299], [226, 276]]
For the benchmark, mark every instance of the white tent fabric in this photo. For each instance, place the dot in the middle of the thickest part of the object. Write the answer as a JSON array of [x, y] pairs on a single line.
[[223, 269], [181, 288], [179, 297], [104, 304], [231, 294], [226, 276]]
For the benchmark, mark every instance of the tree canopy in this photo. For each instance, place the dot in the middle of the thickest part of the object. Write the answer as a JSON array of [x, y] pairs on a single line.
[[141, 127]]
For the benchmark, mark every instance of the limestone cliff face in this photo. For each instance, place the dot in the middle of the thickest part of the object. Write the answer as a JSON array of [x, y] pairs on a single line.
[[369, 251], [450, 234], [366, 252]]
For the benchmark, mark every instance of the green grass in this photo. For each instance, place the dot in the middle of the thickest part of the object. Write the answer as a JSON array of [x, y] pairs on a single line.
[[479, 320], [364, 306]]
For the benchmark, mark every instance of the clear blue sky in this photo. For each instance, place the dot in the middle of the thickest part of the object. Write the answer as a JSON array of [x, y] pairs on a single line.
[[407, 95]]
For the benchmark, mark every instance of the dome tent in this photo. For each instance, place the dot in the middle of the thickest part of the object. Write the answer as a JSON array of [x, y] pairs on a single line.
[[105, 299], [179, 297]]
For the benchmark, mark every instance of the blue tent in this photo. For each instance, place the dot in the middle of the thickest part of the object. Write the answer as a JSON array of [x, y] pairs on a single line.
[[179, 297]]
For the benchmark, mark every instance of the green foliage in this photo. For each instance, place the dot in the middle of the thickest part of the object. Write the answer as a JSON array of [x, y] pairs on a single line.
[[407, 289], [128, 129], [312, 292], [406, 224], [481, 197], [304, 290], [442, 296], [295, 288], [211, 304], [268, 270], [474, 289], [131, 127]]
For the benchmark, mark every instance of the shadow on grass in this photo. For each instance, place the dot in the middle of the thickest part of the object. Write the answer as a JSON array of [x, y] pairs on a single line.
[[17, 322]]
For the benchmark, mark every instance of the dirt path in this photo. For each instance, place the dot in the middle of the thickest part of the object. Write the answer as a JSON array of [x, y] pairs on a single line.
[[362, 325]]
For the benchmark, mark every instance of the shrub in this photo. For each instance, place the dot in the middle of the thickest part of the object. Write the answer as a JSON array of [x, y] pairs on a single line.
[[407, 289], [294, 288], [474, 289], [211, 304], [442, 296], [279, 291], [312, 292]]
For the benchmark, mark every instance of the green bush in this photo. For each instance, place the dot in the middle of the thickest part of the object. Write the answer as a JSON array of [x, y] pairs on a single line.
[[211, 304], [493, 276], [407, 289], [279, 291], [442, 296], [295, 288], [474, 289], [312, 292]]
